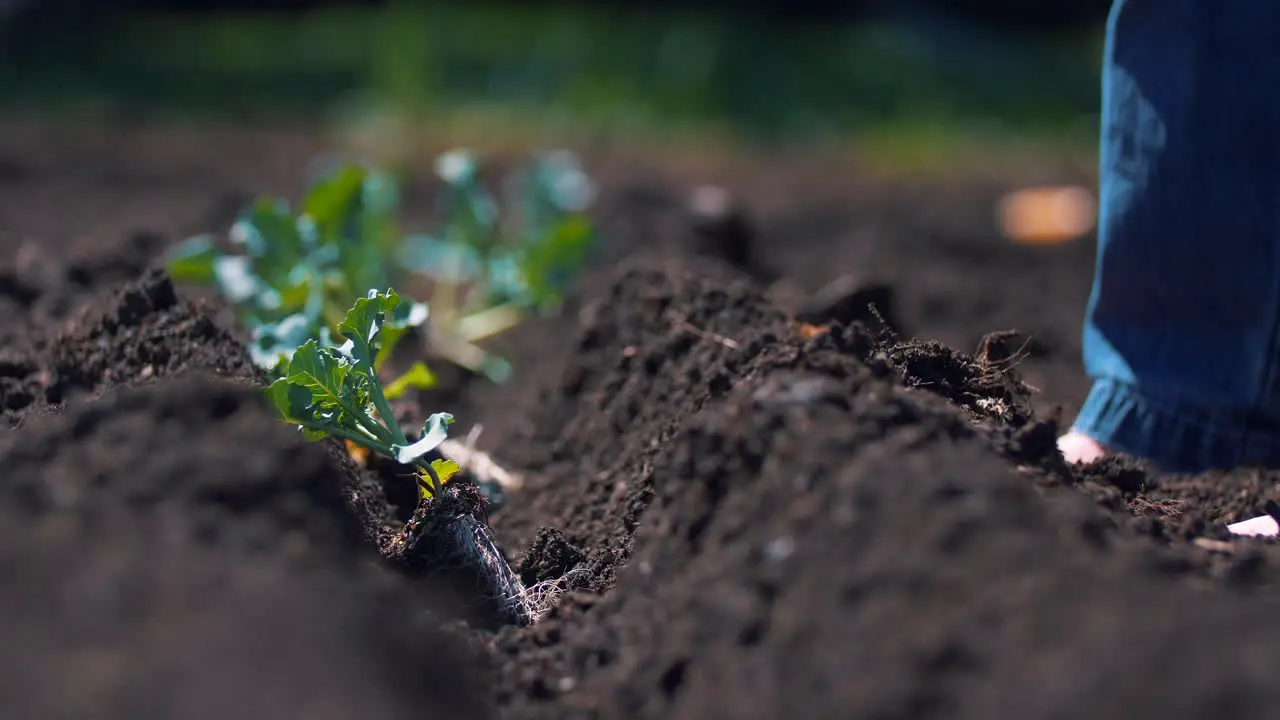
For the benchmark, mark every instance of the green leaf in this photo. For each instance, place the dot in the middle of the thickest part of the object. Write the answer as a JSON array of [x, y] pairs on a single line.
[[549, 263], [496, 369], [280, 395], [418, 377], [391, 336], [445, 260], [294, 297], [334, 201], [457, 167], [555, 234], [293, 401], [434, 431], [399, 322], [379, 197], [269, 233], [364, 322], [236, 280], [554, 186], [324, 376], [191, 261], [363, 263], [470, 210], [313, 435], [273, 342], [562, 183], [445, 470]]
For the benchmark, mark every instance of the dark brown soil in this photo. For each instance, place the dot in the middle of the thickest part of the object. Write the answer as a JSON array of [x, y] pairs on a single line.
[[733, 508]]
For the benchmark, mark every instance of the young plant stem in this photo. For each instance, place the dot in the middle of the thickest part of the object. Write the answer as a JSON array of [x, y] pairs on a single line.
[[484, 324], [448, 300], [460, 352], [446, 309], [370, 425], [361, 440], [436, 486], [384, 410], [381, 448]]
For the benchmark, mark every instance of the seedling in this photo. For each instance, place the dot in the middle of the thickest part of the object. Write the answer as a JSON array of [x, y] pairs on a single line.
[[333, 392], [289, 276], [490, 272]]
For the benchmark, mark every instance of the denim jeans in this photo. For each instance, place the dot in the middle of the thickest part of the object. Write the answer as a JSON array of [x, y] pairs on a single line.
[[1181, 328]]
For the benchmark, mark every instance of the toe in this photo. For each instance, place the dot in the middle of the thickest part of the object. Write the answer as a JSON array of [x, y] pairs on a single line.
[[1077, 447]]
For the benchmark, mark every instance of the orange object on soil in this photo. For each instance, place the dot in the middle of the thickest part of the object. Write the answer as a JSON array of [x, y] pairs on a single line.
[[359, 453], [1047, 215]]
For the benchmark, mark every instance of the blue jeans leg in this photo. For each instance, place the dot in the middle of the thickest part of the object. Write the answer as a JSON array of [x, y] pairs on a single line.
[[1181, 328]]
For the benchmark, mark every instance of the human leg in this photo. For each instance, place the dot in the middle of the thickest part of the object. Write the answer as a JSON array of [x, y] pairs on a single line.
[[1181, 327]]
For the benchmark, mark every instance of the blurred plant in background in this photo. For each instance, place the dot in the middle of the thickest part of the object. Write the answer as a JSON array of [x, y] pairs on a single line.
[[292, 275], [489, 271]]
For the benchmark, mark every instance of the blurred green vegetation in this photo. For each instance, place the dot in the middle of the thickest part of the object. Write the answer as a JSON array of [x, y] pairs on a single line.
[[625, 72]]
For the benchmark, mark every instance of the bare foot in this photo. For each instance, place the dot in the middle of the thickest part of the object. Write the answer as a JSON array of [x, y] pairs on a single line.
[[1079, 448]]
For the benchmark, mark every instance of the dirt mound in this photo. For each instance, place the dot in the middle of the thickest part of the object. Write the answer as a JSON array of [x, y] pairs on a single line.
[[661, 344], [142, 331], [174, 551], [805, 535]]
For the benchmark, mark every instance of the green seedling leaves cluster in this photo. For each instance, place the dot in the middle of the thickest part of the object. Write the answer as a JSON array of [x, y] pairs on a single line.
[[290, 273], [489, 270], [297, 268], [557, 234], [528, 258], [334, 391]]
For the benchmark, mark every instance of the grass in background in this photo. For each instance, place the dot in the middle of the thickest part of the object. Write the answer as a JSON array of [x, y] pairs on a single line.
[[910, 94]]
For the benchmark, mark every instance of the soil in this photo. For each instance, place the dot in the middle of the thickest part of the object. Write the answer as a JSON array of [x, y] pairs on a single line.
[[747, 495]]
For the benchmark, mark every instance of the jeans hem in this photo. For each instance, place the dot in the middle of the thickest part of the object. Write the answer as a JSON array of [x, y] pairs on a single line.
[[1175, 438]]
